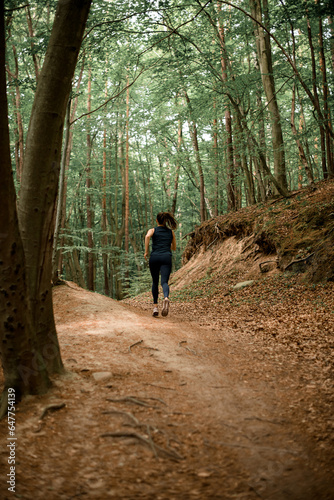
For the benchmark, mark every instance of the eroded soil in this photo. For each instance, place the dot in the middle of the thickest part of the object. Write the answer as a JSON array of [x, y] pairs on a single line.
[[162, 408]]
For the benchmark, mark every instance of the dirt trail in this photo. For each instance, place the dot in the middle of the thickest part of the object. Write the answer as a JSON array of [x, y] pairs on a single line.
[[198, 415]]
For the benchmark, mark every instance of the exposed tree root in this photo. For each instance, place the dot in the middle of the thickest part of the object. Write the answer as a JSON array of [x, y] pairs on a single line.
[[131, 399], [136, 343], [125, 413], [51, 408], [157, 450]]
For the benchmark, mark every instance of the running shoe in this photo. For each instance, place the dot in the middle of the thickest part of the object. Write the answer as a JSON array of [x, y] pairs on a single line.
[[165, 306], [155, 311]]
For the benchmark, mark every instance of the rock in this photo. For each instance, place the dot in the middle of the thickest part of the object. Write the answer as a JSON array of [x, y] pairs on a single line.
[[238, 286], [102, 376]]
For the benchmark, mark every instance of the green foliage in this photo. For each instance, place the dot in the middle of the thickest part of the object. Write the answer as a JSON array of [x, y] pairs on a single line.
[[164, 49]]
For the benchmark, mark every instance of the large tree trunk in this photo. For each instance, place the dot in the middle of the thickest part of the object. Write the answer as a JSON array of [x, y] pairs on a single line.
[[21, 364], [39, 183], [265, 61]]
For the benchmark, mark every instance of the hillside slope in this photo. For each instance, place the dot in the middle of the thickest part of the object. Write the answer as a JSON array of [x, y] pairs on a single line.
[[295, 228]]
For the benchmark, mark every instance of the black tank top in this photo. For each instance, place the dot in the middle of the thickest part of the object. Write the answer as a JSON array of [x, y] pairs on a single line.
[[161, 241]]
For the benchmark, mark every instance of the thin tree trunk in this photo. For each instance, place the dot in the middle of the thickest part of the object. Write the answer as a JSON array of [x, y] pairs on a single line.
[[193, 133], [330, 22], [90, 256], [250, 191], [32, 45], [215, 160], [328, 139], [264, 56], [177, 171], [316, 99], [302, 155], [55, 273], [104, 209], [19, 143], [231, 194], [127, 177], [68, 158]]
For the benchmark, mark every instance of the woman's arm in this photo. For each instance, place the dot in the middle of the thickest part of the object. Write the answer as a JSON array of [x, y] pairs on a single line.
[[173, 245], [148, 236]]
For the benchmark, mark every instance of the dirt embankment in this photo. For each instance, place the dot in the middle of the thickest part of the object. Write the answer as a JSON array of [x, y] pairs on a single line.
[[298, 228]]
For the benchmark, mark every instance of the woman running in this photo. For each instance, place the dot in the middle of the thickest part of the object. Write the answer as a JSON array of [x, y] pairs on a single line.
[[163, 242]]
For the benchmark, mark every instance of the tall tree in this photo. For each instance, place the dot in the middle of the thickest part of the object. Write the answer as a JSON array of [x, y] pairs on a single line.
[[259, 9], [31, 259]]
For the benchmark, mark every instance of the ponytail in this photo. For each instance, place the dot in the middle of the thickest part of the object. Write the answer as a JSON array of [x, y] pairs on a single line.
[[167, 219]]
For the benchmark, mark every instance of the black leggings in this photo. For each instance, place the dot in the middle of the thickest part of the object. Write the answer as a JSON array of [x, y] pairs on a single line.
[[160, 264]]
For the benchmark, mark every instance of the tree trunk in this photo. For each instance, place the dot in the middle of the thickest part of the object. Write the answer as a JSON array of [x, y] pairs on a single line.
[[55, 271], [302, 155], [193, 133], [32, 45], [22, 363], [67, 164], [177, 171], [328, 139], [231, 194], [126, 186], [316, 99], [90, 256], [215, 161], [330, 22], [249, 182], [104, 209], [40, 175], [265, 61], [19, 140]]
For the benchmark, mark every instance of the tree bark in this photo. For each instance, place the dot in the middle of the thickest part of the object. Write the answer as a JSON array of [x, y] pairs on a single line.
[[215, 160], [55, 271], [22, 363], [231, 194], [104, 219], [265, 60], [32, 45], [40, 175], [89, 212], [177, 171], [193, 133], [328, 139], [302, 155], [19, 140], [126, 186], [316, 99]]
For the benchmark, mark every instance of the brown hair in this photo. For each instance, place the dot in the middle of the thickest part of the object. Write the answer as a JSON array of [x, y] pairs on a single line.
[[167, 219]]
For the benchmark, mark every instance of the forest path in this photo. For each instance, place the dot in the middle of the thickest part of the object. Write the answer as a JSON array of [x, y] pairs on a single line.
[[205, 419]]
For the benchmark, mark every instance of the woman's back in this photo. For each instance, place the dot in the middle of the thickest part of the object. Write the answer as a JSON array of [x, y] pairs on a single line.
[[161, 240]]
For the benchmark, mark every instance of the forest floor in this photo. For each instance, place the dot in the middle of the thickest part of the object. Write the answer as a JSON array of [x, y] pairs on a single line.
[[228, 397]]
